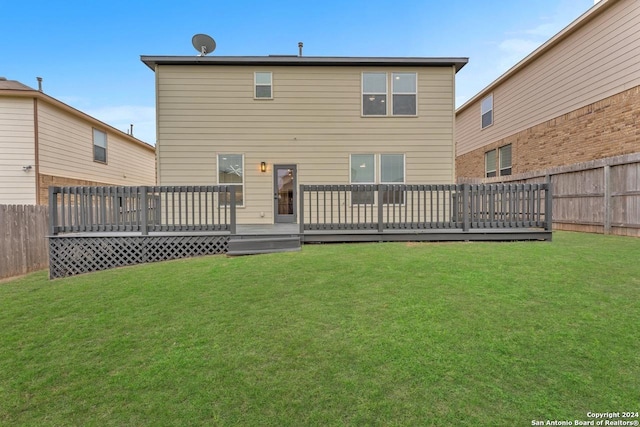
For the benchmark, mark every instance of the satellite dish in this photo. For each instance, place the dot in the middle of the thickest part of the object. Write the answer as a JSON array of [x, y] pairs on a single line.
[[203, 44]]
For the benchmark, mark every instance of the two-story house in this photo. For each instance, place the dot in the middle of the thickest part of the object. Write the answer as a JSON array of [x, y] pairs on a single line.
[[575, 99], [267, 124], [45, 142]]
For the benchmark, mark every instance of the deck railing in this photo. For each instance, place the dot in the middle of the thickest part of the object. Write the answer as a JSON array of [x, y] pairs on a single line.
[[418, 207], [142, 209]]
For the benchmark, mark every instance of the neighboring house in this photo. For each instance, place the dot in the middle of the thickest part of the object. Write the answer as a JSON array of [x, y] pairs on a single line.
[[574, 99], [268, 124], [45, 142]]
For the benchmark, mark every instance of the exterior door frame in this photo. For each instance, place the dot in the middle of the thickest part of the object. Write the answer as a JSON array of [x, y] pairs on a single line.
[[279, 217]]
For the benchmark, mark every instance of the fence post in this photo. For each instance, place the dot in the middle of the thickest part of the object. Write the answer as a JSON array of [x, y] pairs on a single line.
[[465, 207], [380, 210], [53, 210], [144, 205], [232, 206], [301, 208], [548, 206], [606, 170]]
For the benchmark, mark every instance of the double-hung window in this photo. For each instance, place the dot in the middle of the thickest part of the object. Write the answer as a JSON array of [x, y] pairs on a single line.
[[490, 164], [231, 172], [505, 160], [374, 94], [405, 94], [392, 172], [363, 171], [99, 146], [263, 85], [486, 111]]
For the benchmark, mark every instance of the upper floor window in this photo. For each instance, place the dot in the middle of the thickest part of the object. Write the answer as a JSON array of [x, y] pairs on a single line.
[[375, 91], [490, 164], [99, 146], [405, 94], [231, 172], [486, 111], [263, 85], [505, 160], [374, 94]]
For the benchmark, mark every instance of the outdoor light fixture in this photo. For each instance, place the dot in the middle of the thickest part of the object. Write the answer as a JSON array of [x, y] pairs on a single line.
[[263, 167]]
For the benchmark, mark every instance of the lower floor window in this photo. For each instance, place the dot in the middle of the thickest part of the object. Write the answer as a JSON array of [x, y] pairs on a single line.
[[390, 171], [498, 162], [505, 160], [490, 164], [231, 172]]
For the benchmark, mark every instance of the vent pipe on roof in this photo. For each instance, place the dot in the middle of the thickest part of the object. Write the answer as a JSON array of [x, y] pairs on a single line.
[[131, 129], [300, 48], [39, 83]]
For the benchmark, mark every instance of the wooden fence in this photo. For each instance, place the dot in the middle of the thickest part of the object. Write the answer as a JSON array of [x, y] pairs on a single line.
[[23, 243], [600, 196]]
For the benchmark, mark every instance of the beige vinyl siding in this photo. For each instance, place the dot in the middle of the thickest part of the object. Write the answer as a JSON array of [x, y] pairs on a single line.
[[313, 121], [596, 61], [66, 150], [17, 149]]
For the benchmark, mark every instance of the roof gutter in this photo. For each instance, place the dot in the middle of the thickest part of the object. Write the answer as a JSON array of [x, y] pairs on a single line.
[[288, 60]]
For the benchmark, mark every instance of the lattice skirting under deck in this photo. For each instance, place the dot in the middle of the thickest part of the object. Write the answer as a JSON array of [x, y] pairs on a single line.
[[69, 256]]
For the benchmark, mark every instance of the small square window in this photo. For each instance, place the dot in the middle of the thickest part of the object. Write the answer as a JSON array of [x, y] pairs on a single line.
[[99, 146], [263, 85]]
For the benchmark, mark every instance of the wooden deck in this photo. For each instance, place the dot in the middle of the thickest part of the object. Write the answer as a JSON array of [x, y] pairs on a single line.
[[95, 228]]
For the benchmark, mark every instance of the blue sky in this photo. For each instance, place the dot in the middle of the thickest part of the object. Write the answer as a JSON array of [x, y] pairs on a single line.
[[88, 52]]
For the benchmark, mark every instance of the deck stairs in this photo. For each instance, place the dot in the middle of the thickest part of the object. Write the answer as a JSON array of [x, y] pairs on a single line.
[[262, 244]]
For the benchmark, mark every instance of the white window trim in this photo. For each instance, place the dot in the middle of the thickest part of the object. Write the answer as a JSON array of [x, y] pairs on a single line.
[[375, 176], [404, 173], [244, 176], [255, 85], [414, 93], [495, 170], [482, 113], [106, 144], [385, 93], [389, 94], [377, 173], [499, 160]]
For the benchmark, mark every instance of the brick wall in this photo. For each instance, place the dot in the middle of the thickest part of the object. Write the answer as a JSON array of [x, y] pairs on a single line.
[[607, 128], [45, 181]]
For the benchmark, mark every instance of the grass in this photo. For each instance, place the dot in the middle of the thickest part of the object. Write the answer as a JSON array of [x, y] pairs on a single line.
[[362, 334]]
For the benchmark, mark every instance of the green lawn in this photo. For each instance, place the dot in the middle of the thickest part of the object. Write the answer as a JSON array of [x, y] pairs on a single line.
[[361, 334]]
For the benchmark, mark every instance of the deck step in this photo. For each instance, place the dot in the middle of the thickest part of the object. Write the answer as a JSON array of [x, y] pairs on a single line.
[[262, 245]]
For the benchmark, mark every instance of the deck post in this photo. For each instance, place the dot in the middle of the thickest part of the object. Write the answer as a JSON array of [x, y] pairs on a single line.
[[606, 170], [548, 206], [380, 210], [301, 208], [465, 207], [232, 207], [144, 207], [53, 210]]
